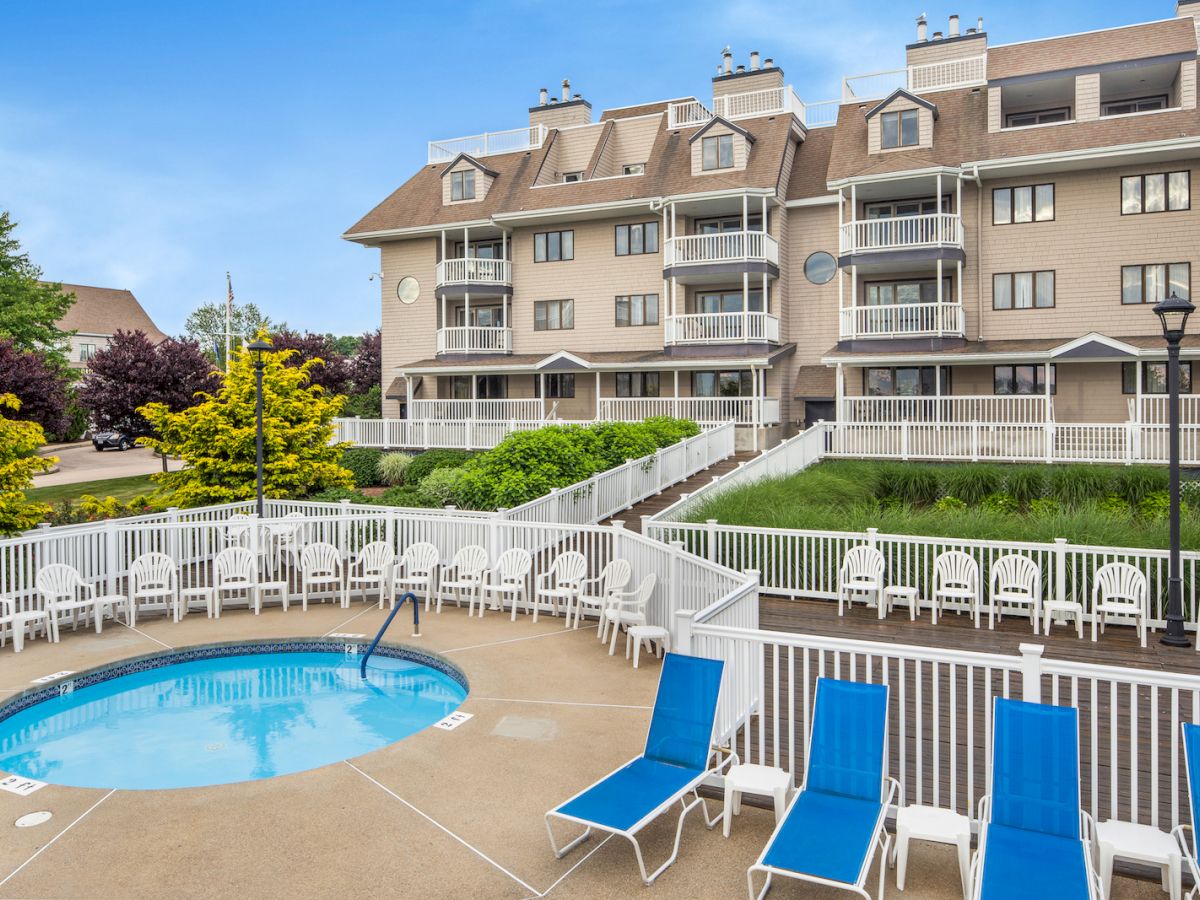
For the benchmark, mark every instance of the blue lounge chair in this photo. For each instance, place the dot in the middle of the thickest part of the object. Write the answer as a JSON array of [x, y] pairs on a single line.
[[1187, 848], [1032, 830], [834, 824], [673, 764]]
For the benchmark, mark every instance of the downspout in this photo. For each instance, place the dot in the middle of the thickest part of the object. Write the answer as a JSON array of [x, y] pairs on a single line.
[[979, 254]]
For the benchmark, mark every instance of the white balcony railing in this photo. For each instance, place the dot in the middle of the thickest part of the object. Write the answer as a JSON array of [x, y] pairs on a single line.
[[1002, 410], [490, 142], [732, 246], [902, 320], [1152, 410], [938, 76], [474, 339], [685, 113], [767, 102], [902, 233], [525, 410], [721, 328], [474, 271], [698, 409]]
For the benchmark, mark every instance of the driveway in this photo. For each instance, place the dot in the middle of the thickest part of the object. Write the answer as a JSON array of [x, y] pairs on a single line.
[[79, 461]]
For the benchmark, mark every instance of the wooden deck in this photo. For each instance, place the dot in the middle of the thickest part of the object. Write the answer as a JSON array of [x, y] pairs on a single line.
[[632, 517]]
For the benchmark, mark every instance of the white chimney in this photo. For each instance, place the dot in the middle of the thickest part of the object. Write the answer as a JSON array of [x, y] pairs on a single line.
[[543, 94], [753, 60], [954, 25], [937, 35], [922, 30], [566, 90], [741, 70], [728, 61], [768, 63], [979, 25]]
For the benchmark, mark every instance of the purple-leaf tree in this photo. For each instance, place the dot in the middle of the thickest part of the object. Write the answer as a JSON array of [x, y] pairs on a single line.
[[333, 374], [40, 386], [367, 362]]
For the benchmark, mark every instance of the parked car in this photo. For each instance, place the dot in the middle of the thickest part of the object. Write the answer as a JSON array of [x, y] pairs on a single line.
[[107, 440]]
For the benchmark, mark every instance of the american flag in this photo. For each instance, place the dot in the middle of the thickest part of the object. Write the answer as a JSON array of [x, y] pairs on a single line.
[[229, 298]]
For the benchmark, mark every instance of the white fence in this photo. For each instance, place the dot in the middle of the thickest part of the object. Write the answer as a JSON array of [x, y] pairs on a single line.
[[731, 246], [938, 76], [511, 141], [1033, 409], [527, 410], [895, 320], [425, 434], [766, 102], [902, 232], [721, 328], [705, 410]]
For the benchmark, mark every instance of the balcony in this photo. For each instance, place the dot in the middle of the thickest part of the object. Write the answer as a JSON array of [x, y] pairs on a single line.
[[722, 328], [751, 104], [930, 230], [474, 339], [478, 273], [730, 247], [902, 320], [490, 142]]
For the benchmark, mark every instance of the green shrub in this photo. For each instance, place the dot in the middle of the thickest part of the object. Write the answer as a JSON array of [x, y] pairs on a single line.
[[1156, 506], [424, 463], [1026, 484], [915, 484], [368, 405], [337, 494], [667, 431], [363, 463], [392, 467], [408, 496], [1135, 483], [1072, 485], [617, 442], [949, 505], [443, 485], [1045, 506], [972, 483], [1000, 503], [1113, 505]]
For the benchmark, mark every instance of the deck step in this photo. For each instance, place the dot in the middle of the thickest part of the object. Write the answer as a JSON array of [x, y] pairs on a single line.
[[632, 517]]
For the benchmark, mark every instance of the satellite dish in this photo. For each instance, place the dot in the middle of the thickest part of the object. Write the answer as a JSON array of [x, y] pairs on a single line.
[[408, 290]]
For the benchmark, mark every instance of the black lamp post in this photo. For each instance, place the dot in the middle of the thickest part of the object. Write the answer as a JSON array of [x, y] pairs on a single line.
[[258, 348], [1173, 313]]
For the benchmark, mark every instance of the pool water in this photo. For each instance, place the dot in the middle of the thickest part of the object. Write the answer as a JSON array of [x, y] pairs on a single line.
[[226, 719]]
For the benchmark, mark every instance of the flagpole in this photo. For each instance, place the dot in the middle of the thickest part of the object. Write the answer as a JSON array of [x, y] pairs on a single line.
[[228, 315]]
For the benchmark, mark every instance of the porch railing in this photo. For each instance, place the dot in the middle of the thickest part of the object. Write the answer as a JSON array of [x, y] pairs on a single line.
[[902, 233], [526, 410], [766, 102], [699, 409], [488, 143], [721, 328], [474, 339], [473, 270], [732, 246], [902, 320], [1002, 410]]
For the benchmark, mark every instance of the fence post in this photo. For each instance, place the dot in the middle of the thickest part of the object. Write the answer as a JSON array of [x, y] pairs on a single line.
[[1060, 568], [1049, 427], [389, 528], [594, 490], [711, 539], [494, 534], [904, 439], [658, 472], [173, 518], [110, 557], [1031, 672], [344, 528], [681, 640], [872, 537], [629, 481], [673, 592]]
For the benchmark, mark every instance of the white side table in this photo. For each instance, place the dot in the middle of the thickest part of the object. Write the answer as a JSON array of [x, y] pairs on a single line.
[[1139, 843], [188, 596], [636, 634], [929, 823], [279, 589], [762, 781], [905, 594], [27, 621], [1059, 610]]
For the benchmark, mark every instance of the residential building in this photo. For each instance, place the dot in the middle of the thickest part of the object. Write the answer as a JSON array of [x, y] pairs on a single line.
[[988, 227], [99, 313]]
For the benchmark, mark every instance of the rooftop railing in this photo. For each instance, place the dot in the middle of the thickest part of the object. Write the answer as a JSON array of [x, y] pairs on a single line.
[[938, 76], [488, 143]]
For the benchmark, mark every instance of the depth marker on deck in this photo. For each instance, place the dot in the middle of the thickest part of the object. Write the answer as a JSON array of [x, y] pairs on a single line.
[[453, 720]]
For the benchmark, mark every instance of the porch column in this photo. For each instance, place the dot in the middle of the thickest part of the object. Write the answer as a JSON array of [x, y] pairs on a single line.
[[745, 224], [542, 392], [841, 205], [754, 410], [1049, 418], [839, 393], [745, 306], [443, 244], [505, 338], [938, 202], [940, 298], [408, 394], [597, 394], [1137, 396], [675, 403]]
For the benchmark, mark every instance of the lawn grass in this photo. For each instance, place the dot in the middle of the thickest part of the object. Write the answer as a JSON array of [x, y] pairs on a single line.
[[124, 489], [853, 495]]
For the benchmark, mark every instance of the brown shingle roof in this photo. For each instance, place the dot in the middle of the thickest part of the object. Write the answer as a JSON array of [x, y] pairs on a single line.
[[811, 165], [631, 358], [1096, 48], [646, 109], [98, 310], [668, 171]]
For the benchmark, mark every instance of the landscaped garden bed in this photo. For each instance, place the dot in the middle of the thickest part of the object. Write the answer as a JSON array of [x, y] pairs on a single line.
[[1114, 506]]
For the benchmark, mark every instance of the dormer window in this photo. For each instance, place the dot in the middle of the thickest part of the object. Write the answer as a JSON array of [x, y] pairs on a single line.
[[462, 185], [900, 128], [717, 152], [572, 177]]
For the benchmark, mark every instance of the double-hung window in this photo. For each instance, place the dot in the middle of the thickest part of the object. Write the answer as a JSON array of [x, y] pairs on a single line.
[[634, 239], [553, 315], [637, 384], [552, 246], [558, 384], [462, 185], [899, 129], [717, 152], [1162, 192], [1014, 205], [1151, 283], [1023, 290], [637, 309]]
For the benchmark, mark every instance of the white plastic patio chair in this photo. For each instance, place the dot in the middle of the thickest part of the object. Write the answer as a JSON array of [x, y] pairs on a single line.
[[1120, 589], [20, 622], [153, 577], [614, 577], [628, 608], [287, 538], [372, 568], [955, 578], [235, 572], [1017, 581], [464, 573], [563, 582], [861, 573], [321, 572], [506, 579], [65, 592], [416, 568]]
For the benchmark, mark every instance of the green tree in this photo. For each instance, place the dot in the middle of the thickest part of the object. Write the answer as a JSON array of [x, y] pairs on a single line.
[[29, 307], [215, 438], [18, 465], [206, 326]]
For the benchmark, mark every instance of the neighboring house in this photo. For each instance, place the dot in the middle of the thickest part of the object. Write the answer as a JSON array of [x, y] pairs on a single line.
[[99, 313], [988, 224]]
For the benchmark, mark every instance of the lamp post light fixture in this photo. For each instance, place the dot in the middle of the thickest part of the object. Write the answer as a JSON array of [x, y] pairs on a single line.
[[258, 348], [1173, 314]]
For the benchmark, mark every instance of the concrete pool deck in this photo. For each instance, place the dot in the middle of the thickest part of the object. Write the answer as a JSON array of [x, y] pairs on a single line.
[[440, 814]]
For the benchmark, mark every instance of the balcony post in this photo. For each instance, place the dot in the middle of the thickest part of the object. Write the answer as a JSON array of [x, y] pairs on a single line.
[[675, 401], [597, 395], [745, 301]]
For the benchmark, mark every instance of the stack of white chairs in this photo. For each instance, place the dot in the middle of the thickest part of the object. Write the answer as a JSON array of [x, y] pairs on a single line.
[[594, 592]]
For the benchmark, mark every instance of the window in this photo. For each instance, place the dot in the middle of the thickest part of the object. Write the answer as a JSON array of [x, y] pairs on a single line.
[[722, 384], [572, 177], [729, 302], [479, 250], [899, 129], [637, 309], [1038, 117], [86, 352], [886, 293], [1136, 105], [481, 316], [552, 246], [1023, 290], [896, 209], [727, 224], [462, 185], [717, 152], [553, 315], [1164, 192], [1023, 204], [1149, 284], [1154, 378], [487, 387], [558, 384], [1022, 380], [634, 239], [637, 384], [634, 169], [904, 381], [820, 267]]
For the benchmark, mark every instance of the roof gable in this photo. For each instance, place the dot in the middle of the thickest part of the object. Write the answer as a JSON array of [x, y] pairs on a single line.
[[723, 121], [1093, 345], [907, 95], [470, 159]]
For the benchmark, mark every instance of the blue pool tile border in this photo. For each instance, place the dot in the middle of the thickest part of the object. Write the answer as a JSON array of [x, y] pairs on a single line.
[[149, 661]]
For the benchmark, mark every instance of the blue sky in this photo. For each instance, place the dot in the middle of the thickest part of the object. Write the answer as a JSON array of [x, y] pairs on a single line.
[[153, 146]]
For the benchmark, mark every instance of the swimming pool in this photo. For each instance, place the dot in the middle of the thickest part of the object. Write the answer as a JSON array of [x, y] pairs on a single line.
[[223, 713]]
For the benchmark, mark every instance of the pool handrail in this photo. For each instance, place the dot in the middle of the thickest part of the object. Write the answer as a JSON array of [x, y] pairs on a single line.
[[416, 608]]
